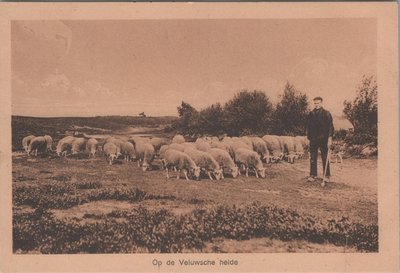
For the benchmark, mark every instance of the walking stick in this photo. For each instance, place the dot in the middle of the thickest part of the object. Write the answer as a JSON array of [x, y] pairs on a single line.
[[328, 157]]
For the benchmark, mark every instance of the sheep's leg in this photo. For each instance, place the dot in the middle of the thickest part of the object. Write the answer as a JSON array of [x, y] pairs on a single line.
[[178, 175], [255, 170], [222, 175], [247, 171], [167, 173], [209, 175], [186, 176]]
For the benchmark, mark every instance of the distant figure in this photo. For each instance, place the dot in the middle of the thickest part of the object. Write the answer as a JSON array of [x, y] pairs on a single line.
[[142, 115], [319, 132]]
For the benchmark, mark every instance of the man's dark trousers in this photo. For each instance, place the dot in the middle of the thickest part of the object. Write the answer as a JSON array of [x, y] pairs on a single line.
[[321, 144]]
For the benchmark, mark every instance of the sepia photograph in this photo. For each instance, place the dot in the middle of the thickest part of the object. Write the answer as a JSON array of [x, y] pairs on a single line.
[[195, 136]]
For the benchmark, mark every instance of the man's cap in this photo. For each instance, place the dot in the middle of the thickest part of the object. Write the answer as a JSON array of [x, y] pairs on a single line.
[[318, 98]]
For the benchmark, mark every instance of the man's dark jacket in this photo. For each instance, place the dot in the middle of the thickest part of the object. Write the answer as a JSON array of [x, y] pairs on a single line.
[[319, 125]]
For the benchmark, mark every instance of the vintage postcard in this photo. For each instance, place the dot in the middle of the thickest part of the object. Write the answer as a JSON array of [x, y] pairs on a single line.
[[199, 137]]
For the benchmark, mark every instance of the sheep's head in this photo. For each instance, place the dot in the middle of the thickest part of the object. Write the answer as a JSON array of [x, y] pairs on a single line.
[[111, 158], [235, 172], [145, 166], [291, 158], [267, 158], [196, 172], [218, 174]]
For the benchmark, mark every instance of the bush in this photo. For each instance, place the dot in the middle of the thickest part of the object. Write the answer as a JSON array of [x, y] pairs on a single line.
[[161, 231]]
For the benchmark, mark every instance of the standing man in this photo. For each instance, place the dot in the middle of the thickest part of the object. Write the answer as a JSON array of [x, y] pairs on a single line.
[[319, 132]]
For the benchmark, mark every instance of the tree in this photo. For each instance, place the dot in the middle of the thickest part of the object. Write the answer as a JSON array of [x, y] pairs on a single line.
[[363, 111], [212, 120], [290, 116], [188, 118], [248, 113]]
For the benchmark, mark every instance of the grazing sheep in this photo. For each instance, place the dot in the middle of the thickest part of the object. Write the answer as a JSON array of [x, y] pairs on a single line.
[[128, 151], [289, 149], [179, 139], [49, 141], [111, 151], [274, 147], [261, 148], [182, 162], [91, 147], [37, 144], [206, 162], [163, 149], [26, 141], [225, 161], [145, 154], [250, 160], [237, 145], [298, 147], [64, 145], [178, 147], [202, 145], [222, 145], [78, 145]]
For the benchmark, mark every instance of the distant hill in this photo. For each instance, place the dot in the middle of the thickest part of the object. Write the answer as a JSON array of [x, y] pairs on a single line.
[[23, 126]]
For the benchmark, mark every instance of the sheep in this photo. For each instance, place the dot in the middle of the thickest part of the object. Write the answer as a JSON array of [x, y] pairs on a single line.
[[225, 161], [206, 162], [64, 145], [78, 145], [49, 141], [261, 148], [91, 147], [289, 149], [26, 141], [298, 147], [128, 151], [221, 145], [247, 140], [182, 162], [250, 160], [178, 147], [163, 149], [179, 139], [274, 147], [202, 145], [239, 144], [111, 151], [37, 144], [145, 154]]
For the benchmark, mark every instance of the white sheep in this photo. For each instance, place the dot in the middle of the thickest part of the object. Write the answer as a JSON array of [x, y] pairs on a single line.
[[128, 150], [202, 145], [145, 154], [26, 141], [92, 146], [49, 141], [225, 161], [261, 148], [274, 147], [206, 162], [78, 145], [289, 149], [64, 145], [111, 151], [182, 162], [178, 147], [250, 160], [178, 139], [36, 145]]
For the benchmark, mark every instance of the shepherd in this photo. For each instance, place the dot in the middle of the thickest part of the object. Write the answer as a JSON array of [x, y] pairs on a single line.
[[319, 132]]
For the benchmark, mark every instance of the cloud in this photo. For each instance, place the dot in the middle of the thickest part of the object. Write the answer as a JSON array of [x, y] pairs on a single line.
[[94, 89], [56, 83]]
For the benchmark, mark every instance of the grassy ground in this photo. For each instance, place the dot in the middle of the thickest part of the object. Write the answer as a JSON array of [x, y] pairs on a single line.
[[85, 191]]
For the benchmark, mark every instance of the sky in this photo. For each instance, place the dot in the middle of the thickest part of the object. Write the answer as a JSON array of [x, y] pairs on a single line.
[[124, 67]]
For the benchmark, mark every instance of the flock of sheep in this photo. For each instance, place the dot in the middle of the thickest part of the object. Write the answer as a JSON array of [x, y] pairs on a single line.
[[210, 156]]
